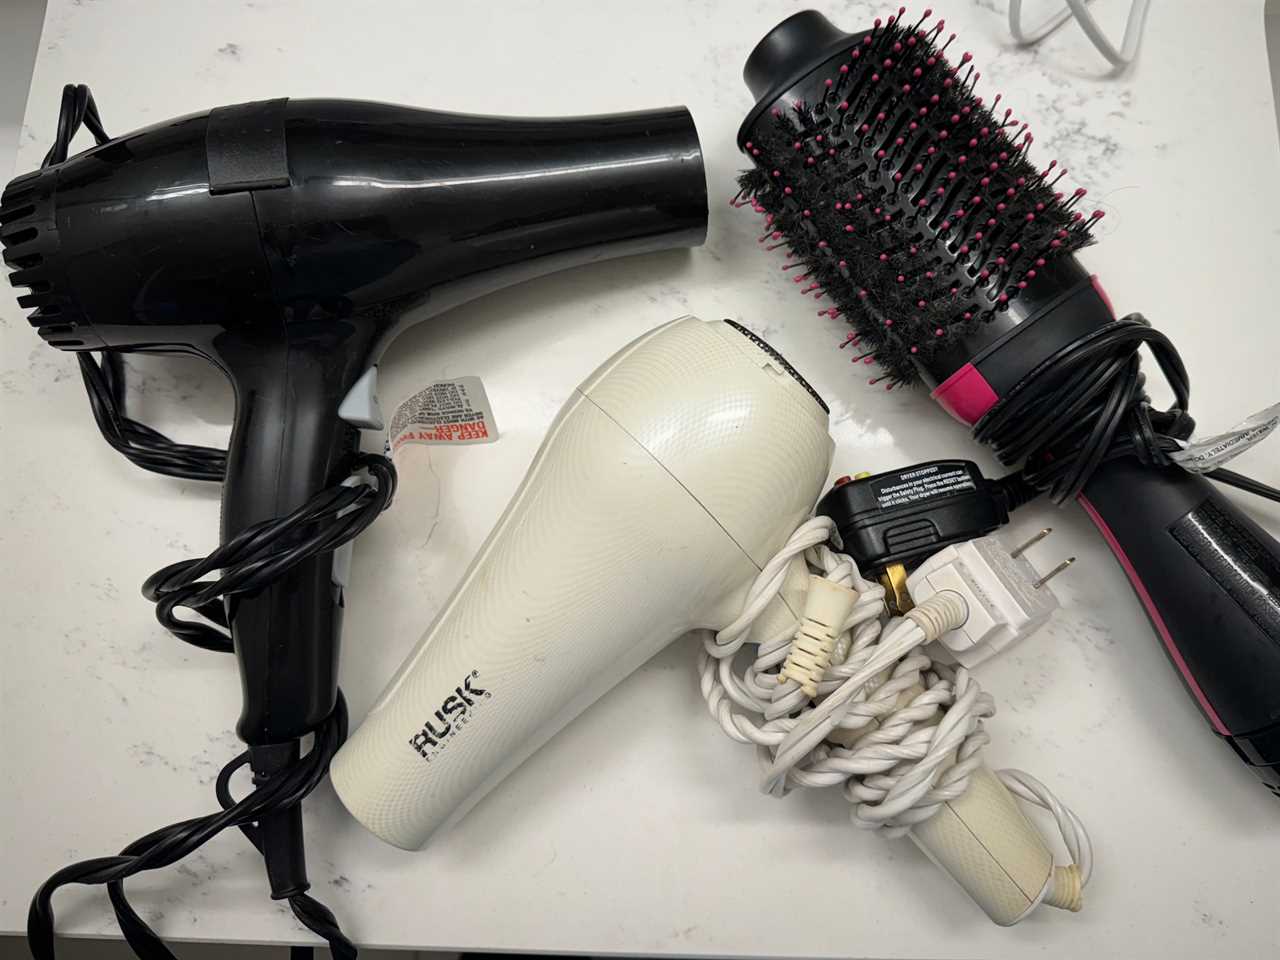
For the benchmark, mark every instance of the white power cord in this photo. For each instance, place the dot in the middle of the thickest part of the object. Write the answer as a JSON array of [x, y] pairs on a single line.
[[900, 734], [1078, 8]]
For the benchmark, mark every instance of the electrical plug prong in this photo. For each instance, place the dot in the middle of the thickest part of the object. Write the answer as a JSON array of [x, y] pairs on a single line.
[[1054, 572], [1018, 551]]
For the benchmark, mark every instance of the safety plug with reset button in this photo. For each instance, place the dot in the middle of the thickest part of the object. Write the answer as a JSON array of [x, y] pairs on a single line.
[[929, 527], [856, 698]]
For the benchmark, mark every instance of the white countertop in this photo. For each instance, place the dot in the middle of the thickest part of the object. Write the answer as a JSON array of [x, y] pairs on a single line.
[[639, 829]]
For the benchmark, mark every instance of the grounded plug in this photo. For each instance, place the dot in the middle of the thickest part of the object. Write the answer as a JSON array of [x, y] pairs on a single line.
[[1007, 598]]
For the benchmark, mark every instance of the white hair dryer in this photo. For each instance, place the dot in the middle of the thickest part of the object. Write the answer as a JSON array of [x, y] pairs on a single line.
[[669, 478]]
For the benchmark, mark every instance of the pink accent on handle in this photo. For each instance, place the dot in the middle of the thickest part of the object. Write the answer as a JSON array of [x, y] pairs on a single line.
[[965, 395], [1154, 613], [1103, 294]]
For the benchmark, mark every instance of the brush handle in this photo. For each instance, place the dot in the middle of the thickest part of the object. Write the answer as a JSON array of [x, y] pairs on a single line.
[[1209, 578]]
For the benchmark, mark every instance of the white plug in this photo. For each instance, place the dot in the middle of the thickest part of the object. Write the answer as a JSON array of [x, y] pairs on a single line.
[[1006, 597]]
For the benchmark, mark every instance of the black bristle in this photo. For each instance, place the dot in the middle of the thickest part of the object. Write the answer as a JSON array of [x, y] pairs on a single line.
[[882, 184]]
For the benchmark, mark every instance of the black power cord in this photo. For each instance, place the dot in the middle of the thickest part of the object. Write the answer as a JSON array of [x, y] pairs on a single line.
[[104, 382], [1086, 405], [145, 447], [248, 562]]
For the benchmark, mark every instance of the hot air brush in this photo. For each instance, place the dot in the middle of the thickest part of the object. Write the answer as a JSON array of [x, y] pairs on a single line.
[[911, 208]]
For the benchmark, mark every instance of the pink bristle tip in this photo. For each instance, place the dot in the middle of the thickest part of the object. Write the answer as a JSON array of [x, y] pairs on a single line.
[[938, 332], [915, 349], [844, 68], [786, 191]]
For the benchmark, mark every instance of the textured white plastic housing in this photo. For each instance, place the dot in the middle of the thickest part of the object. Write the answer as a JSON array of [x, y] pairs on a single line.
[[987, 844], [668, 478]]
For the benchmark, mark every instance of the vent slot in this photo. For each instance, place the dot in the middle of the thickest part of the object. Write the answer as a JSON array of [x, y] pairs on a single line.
[[19, 236], [16, 213]]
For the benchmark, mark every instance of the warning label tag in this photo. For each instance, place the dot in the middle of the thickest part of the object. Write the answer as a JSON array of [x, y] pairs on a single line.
[[451, 411], [925, 483]]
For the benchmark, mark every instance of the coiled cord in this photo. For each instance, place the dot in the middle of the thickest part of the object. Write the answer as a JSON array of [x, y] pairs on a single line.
[[104, 382], [168, 845], [262, 553], [900, 734], [1086, 405], [247, 562]]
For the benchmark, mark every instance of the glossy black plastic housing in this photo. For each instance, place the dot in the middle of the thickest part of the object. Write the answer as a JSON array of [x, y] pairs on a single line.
[[905, 515], [1209, 580], [288, 241]]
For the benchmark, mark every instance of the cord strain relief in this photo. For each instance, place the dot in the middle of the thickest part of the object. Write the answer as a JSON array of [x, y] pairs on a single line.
[[940, 613], [1018, 491], [279, 832], [1066, 891], [827, 606]]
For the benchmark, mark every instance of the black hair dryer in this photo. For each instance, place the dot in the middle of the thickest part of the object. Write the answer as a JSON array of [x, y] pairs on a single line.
[[288, 241]]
